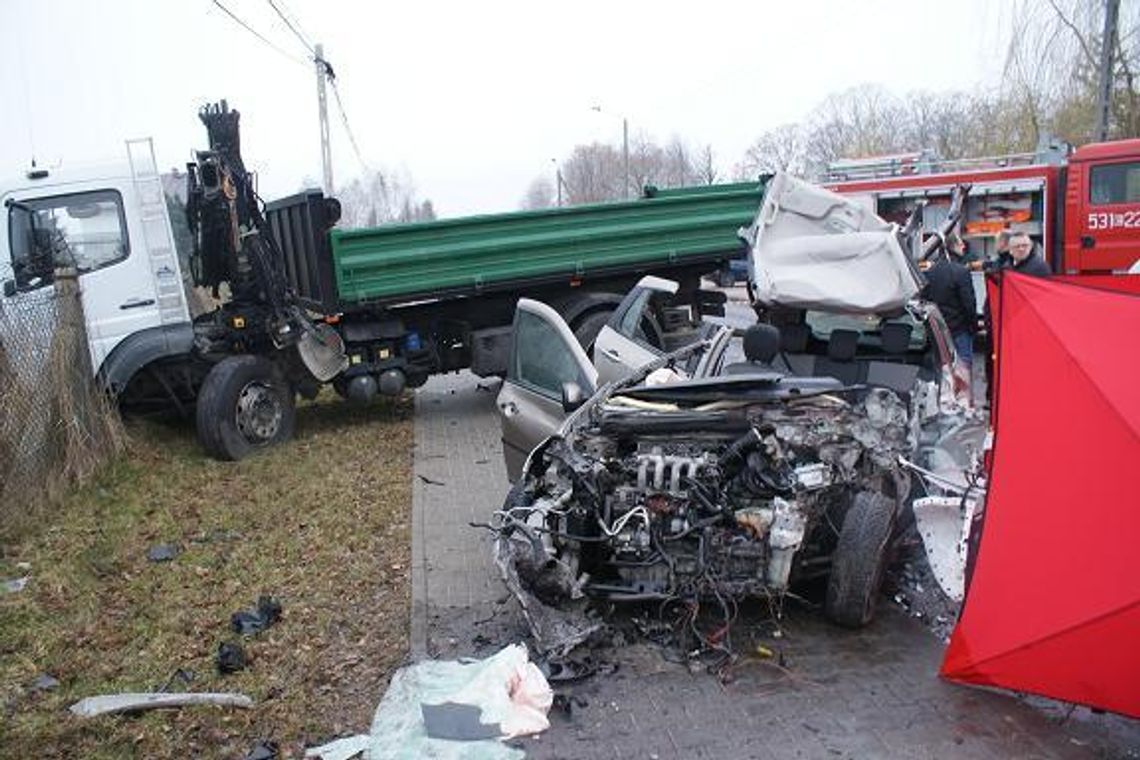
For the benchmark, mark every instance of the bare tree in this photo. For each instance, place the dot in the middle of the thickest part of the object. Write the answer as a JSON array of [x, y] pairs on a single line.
[[679, 169], [863, 121], [378, 197], [941, 122], [779, 149], [540, 194], [593, 173], [706, 166], [597, 171], [1052, 69]]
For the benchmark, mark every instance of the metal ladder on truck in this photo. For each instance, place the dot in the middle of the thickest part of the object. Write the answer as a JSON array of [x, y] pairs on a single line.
[[157, 235]]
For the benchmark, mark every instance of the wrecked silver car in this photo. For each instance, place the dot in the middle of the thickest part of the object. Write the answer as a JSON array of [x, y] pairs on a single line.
[[719, 487], [704, 475]]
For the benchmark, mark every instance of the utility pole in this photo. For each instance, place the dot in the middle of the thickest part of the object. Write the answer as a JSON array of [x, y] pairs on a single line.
[[323, 113], [624, 149], [1107, 50]]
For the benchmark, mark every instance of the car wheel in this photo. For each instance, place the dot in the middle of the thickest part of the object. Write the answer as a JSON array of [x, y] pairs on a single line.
[[859, 559], [245, 404]]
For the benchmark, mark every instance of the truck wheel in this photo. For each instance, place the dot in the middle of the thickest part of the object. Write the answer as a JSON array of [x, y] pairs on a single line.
[[589, 326], [245, 404], [858, 561]]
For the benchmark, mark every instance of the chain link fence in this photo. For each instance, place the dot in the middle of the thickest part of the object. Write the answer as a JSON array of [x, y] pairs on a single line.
[[56, 427]]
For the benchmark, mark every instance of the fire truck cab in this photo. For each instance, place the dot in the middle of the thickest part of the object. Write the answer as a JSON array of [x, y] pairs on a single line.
[[1102, 208]]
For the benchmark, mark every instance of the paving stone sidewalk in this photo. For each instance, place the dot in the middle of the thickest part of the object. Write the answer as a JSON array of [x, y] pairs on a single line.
[[863, 694]]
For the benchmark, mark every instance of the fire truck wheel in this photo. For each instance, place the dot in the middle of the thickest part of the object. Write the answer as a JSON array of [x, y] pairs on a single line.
[[245, 405]]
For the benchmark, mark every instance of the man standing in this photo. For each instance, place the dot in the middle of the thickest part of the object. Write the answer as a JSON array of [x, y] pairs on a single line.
[[1025, 258], [949, 286]]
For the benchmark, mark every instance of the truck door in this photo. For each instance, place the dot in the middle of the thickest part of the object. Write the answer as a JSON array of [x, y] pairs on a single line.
[[545, 357], [632, 338], [1109, 225], [85, 227]]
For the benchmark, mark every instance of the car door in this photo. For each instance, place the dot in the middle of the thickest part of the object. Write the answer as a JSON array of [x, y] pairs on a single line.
[[545, 358], [632, 337]]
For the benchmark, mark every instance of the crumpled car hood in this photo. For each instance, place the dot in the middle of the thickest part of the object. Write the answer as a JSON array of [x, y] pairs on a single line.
[[811, 248]]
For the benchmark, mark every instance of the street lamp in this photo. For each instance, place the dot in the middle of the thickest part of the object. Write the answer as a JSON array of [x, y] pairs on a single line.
[[557, 180], [624, 148]]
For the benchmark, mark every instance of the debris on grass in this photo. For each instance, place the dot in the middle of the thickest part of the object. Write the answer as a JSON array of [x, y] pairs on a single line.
[[162, 552], [105, 704], [180, 676], [102, 619], [16, 585], [45, 682], [341, 749], [249, 622], [263, 750], [230, 658]]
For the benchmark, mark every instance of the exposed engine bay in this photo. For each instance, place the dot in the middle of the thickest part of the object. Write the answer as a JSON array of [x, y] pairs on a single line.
[[644, 500]]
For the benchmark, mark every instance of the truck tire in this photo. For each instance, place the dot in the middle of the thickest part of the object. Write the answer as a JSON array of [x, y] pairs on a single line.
[[588, 327], [859, 559], [245, 405]]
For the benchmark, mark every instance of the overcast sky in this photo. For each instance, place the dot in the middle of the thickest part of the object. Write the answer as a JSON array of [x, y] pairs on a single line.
[[472, 99]]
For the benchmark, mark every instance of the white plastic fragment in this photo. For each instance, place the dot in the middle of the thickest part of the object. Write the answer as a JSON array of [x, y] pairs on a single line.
[[341, 749], [118, 703]]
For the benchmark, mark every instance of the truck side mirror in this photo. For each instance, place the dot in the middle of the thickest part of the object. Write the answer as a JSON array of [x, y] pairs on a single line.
[[9, 288], [572, 396]]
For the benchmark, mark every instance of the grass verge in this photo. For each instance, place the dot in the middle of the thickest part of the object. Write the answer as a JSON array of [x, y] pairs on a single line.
[[322, 524]]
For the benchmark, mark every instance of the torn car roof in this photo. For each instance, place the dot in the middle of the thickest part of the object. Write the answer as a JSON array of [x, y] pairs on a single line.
[[814, 249]]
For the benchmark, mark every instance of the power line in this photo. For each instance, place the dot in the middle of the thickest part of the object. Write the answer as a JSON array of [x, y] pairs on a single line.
[[259, 36], [344, 118], [293, 29]]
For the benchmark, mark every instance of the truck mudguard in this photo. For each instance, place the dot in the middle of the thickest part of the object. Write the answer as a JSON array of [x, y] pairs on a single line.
[[140, 349]]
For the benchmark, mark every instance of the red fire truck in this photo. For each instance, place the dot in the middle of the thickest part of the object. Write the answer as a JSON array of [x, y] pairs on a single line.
[[1082, 206]]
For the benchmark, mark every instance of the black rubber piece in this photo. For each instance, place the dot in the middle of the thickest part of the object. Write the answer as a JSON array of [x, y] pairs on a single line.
[[859, 559], [216, 414]]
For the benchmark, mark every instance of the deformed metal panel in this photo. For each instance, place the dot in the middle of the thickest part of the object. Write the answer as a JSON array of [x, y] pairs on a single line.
[[297, 224], [484, 253]]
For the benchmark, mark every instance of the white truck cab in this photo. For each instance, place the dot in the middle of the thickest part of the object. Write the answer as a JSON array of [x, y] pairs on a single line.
[[111, 224]]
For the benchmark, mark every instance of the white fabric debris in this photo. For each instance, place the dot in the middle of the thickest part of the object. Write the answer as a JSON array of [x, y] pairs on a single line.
[[508, 689]]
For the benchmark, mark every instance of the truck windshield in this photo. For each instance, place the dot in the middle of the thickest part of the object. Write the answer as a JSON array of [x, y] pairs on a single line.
[[87, 231]]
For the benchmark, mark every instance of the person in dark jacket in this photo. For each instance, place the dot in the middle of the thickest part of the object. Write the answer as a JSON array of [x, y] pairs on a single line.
[[950, 287], [1021, 256], [1025, 258]]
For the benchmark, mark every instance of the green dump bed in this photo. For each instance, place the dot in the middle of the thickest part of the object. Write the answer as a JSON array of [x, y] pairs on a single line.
[[469, 255]]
